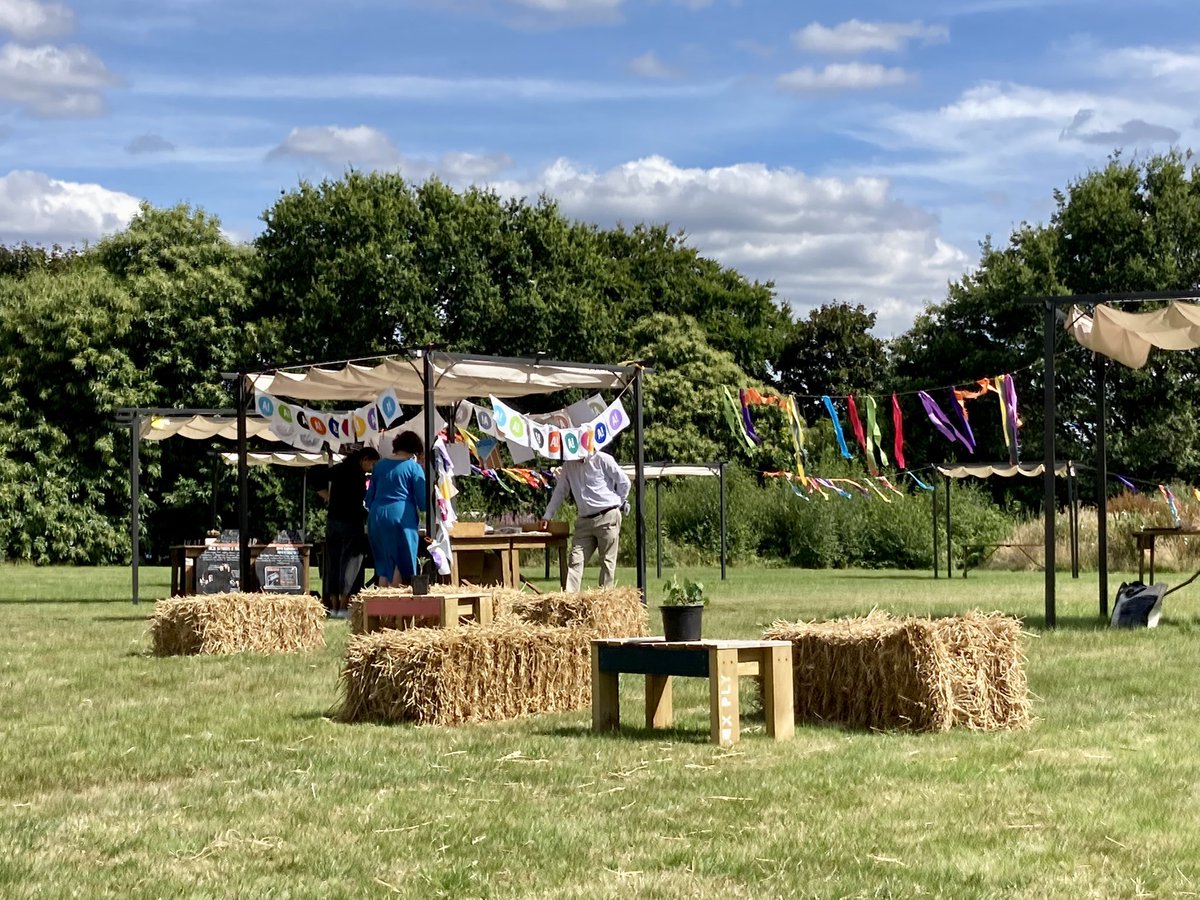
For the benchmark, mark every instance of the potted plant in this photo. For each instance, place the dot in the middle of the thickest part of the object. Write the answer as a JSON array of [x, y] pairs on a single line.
[[682, 608]]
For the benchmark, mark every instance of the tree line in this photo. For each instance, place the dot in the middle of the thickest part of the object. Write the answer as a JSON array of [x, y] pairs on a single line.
[[369, 264]]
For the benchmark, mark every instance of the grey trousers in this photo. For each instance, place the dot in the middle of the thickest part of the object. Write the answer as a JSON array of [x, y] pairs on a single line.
[[603, 534]]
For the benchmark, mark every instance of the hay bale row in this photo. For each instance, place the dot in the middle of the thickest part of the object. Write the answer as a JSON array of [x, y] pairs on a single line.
[[237, 623], [884, 672], [475, 674], [601, 612]]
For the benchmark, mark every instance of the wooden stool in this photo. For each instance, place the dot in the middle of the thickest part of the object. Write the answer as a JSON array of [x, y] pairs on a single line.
[[721, 662], [448, 608]]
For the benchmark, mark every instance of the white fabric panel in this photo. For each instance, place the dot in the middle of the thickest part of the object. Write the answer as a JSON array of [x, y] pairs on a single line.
[[453, 380], [293, 460], [1127, 337], [202, 428], [1004, 470]]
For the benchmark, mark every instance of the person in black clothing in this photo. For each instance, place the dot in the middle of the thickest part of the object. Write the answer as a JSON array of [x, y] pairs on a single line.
[[345, 530]]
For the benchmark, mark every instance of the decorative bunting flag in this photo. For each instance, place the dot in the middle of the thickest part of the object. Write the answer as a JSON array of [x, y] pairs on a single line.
[[856, 426], [958, 421], [874, 436], [898, 427], [837, 427]]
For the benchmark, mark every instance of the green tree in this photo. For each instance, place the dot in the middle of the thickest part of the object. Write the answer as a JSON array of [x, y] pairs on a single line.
[[832, 351]]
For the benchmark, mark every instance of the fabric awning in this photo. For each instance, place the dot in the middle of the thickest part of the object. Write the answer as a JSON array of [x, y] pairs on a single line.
[[201, 428], [295, 460], [1004, 470], [456, 378], [674, 471], [1127, 337]]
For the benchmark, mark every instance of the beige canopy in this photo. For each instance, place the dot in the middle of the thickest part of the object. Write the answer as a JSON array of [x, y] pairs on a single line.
[[1005, 470], [455, 378], [201, 428], [296, 460], [1127, 337]]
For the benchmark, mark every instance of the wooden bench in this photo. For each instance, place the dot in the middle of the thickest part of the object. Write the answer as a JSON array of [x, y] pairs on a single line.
[[976, 556], [447, 608], [721, 662]]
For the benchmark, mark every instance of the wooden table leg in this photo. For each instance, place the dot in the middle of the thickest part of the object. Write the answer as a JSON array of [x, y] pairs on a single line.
[[175, 573], [562, 564], [455, 579], [449, 614], [606, 696], [482, 607], [1151, 561], [659, 707], [776, 668], [723, 696]]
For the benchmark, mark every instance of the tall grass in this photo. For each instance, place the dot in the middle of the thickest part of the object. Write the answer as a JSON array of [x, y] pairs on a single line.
[[1127, 514]]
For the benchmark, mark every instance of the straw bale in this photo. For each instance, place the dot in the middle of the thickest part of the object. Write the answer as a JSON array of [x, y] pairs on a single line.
[[472, 674], [987, 670], [918, 674], [601, 612], [236, 622]]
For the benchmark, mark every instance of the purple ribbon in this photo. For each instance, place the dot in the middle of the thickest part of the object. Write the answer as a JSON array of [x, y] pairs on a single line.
[[944, 424], [962, 428]]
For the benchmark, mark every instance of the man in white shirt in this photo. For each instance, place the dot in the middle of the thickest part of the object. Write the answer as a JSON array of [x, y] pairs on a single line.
[[599, 488]]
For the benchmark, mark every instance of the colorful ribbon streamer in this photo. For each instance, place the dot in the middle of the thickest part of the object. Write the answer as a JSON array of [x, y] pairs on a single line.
[[856, 425], [837, 428], [898, 427], [874, 436]]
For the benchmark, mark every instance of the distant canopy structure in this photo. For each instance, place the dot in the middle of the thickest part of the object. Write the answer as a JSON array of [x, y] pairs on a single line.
[[1128, 337]]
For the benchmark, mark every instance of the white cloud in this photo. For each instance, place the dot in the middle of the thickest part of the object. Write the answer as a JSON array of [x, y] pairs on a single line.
[[338, 147], [37, 208], [842, 77], [53, 81], [471, 168], [29, 20], [856, 36], [648, 65], [818, 239], [550, 13]]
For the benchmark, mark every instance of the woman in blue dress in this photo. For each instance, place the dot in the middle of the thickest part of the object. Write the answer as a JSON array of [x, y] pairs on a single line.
[[395, 498]]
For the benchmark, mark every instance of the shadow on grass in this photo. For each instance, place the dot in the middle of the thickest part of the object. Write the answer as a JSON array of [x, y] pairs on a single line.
[[1067, 623], [142, 618], [628, 734], [839, 575]]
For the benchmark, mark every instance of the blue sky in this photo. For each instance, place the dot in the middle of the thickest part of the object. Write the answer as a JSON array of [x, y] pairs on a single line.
[[859, 155]]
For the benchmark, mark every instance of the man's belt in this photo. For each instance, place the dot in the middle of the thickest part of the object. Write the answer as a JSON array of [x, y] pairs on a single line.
[[602, 512]]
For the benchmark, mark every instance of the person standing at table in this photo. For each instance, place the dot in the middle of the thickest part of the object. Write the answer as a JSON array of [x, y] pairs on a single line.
[[345, 528], [599, 488], [395, 499]]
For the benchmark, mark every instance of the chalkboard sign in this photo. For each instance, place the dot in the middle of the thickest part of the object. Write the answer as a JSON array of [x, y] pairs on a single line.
[[229, 536], [218, 570], [288, 537], [278, 570]]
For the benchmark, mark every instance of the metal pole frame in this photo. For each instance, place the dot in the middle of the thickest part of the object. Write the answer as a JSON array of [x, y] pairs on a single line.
[[244, 567], [427, 379], [135, 494], [721, 476], [1048, 476], [658, 527], [934, 517], [1102, 480], [639, 483], [949, 534]]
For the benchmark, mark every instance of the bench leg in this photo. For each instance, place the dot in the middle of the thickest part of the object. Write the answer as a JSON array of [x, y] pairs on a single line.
[[606, 697], [659, 707], [778, 708], [723, 696]]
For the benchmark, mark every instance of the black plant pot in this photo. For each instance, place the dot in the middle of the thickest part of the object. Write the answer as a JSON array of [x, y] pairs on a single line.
[[420, 585], [682, 623]]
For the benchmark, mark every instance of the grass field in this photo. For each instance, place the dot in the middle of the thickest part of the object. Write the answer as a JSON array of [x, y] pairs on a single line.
[[126, 775]]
